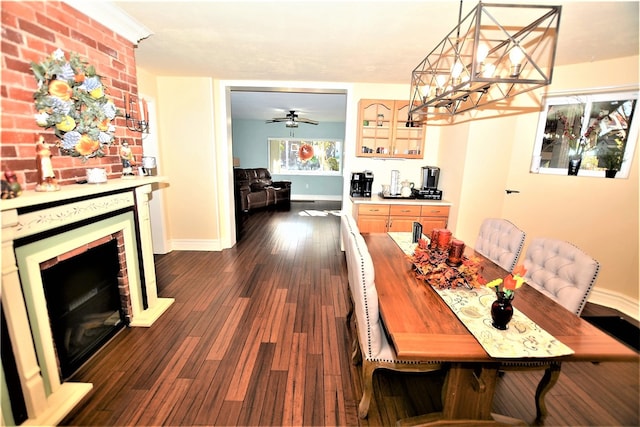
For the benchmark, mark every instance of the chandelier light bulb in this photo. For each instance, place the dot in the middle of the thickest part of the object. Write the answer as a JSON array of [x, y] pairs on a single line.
[[440, 82], [482, 52], [516, 55], [489, 70], [457, 69]]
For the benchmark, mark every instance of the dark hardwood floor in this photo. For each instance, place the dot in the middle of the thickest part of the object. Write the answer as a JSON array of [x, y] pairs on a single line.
[[257, 336]]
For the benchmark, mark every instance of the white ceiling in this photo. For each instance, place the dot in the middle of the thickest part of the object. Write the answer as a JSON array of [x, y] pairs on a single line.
[[338, 41]]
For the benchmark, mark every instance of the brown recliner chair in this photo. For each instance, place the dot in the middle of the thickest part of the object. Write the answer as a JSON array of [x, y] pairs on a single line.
[[256, 189]]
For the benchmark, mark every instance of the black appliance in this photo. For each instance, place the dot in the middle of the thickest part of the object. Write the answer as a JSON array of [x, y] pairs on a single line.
[[84, 304], [361, 184], [430, 175], [429, 189]]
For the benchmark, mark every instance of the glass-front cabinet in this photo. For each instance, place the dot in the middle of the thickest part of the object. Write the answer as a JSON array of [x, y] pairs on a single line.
[[385, 129]]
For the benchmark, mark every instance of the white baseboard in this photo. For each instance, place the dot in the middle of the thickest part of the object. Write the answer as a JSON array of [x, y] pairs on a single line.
[[312, 197], [196, 245], [615, 300]]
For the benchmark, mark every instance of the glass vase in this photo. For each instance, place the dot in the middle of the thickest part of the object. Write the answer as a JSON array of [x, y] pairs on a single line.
[[502, 311]]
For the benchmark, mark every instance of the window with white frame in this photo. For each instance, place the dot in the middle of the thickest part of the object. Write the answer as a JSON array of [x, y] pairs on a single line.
[[296, 156], [599, 130]]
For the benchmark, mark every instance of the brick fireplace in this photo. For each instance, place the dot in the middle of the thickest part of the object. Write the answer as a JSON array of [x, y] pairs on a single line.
[[40, 228]]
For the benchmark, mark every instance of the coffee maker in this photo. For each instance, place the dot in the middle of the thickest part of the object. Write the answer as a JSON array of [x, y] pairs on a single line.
[[430, 175], [361, 184], [429, 189]]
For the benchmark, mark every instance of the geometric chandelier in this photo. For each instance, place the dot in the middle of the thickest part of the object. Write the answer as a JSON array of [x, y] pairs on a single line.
[[496, 52]]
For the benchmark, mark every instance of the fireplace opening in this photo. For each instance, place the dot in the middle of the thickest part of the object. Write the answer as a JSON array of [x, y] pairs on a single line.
[[84, 303]]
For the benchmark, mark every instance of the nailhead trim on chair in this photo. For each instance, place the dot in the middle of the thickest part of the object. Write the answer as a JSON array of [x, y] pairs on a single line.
[[591, 285], [366, 303]]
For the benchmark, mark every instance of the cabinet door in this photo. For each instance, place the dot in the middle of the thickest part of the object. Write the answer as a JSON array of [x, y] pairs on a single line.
[[375, 128], [372, 218], [402, 223], [430, 223], [408, 136], [372, 223], [434, 217]]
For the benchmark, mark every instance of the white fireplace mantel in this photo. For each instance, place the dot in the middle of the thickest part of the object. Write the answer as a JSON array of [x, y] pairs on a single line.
[[47, 399]]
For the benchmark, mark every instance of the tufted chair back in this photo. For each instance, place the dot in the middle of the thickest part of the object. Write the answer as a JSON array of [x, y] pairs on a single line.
[[561, 271], [500, 241]]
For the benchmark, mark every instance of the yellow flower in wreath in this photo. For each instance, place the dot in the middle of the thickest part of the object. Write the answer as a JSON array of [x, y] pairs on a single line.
[[97, 93], [67, 124], [86, 145]]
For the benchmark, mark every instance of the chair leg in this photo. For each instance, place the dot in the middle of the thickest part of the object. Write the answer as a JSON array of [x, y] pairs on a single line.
[[549, 379], [350, 312], [356, 353], [367, 388]]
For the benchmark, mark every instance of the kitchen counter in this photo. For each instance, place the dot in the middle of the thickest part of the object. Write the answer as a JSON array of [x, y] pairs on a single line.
[[376, 199]]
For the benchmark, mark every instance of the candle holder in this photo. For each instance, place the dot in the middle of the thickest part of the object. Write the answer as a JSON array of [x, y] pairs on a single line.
[[444, 239], [455, 253], [136, 114]]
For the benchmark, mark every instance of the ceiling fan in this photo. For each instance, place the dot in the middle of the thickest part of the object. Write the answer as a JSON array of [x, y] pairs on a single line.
[[292, 120]]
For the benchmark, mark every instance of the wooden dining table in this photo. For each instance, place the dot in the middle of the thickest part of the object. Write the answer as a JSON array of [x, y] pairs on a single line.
[[422, 327]]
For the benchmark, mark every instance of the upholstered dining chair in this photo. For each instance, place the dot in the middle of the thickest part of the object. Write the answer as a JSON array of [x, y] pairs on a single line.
[[566, 274], [371, 347], [500, 241], [561, 271]]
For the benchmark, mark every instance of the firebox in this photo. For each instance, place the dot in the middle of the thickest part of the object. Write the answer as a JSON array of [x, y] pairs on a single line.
[[83, 303]]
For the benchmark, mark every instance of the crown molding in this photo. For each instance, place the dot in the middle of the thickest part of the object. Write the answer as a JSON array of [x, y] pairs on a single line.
[[112, 17]]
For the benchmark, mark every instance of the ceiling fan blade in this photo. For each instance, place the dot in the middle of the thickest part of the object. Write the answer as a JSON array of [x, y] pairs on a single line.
[[308, 121]]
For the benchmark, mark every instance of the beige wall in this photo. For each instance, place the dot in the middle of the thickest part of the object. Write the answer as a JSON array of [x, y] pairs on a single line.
[[187, 156], [598, 215]]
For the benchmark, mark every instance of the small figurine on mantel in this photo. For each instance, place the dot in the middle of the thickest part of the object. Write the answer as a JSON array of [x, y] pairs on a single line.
[[128, 161], [10, 186], [46, 177]]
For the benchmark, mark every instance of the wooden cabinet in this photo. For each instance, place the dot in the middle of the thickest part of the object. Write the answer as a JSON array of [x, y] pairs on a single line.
[[372, 218], [402, 217], [384, 130], [434, 217], [381, 218]]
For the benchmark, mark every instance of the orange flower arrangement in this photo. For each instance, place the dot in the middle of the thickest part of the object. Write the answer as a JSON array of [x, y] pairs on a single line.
[[510, 283]]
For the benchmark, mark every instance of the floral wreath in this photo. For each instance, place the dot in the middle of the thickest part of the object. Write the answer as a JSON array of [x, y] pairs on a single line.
[[71, 98]]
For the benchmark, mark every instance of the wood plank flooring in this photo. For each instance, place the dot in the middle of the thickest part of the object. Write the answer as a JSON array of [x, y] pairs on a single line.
[[257, 336]]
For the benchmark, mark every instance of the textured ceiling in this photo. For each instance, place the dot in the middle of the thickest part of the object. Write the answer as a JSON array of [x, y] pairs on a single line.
[[341, 41]]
